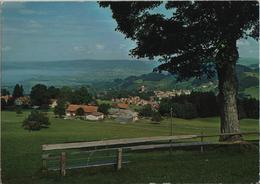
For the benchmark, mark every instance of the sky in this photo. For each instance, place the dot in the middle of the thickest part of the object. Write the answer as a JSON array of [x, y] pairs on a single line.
[[45, 31]]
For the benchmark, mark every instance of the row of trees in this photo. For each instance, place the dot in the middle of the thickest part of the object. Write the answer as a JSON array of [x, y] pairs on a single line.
[[148, 111], [197, 104], [248, 108], [200, 104], [41, 95], [205, 104], [17, 91]]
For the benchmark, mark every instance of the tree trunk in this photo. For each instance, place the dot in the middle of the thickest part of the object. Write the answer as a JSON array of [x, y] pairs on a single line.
[[228, 87]]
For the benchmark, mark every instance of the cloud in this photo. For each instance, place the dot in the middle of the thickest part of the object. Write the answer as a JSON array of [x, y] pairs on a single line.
[[100, 46]]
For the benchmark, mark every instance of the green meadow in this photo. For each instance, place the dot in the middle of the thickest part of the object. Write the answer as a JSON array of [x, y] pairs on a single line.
[[21, 152]]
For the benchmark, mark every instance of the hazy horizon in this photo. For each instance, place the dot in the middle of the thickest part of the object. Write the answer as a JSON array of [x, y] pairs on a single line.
[[93, 59]]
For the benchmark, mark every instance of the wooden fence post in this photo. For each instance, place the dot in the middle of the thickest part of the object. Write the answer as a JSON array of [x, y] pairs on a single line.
[[201, 140], [170, 147], [63, 164], [44, 163], [119, 159]]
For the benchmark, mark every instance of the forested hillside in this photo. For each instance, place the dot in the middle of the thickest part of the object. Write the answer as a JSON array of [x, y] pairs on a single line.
[[248, 77]]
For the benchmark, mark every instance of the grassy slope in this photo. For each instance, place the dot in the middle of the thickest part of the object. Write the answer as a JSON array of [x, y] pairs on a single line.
[[253, 92], [21, 152]]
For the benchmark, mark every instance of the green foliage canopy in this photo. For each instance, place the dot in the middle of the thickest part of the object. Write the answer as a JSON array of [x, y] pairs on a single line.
[[36, 120], [18, 91], [39, 95], [80, 96], [80, 112], [4, 92], [60, 108], [104, 108], [188, 41], [146, 111]]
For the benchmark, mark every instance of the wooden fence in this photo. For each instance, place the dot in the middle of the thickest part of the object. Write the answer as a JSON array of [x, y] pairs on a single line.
[[118, 146]]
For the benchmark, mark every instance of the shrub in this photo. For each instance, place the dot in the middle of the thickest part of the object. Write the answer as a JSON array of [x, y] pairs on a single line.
[[186, 111], [201, 104], [3, 104], [104, 108], [44, 107], [251, 107], [241, 110], [18, 111], [36, 120], [165, 106], [146, 111], [156, 116]]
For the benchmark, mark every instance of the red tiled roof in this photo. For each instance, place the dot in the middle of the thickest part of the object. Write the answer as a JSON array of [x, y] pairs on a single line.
[[7, 97], [122, 105], [86, 108]]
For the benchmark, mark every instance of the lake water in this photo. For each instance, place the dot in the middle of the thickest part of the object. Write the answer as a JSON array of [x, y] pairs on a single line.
[[71, 72]]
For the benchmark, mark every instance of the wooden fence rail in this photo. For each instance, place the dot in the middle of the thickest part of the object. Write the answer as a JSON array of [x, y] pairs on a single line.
[[48, 147], [76, 145], [119, 145]]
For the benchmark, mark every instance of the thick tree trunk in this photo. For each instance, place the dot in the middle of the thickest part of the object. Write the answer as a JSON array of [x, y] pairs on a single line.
[[228, 86]]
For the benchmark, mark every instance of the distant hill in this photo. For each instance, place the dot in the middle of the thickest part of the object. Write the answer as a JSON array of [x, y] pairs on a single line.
[[126, 74], [248, 82], [248, 61], [71, 72]]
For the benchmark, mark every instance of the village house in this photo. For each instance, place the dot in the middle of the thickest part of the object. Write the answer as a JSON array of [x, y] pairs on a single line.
[[53, 103], [142, 89], [95, 116], [122, 114], [23, 100], [6, 98], [166, 94], [90, 112], [121, 105], [136, 100]]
